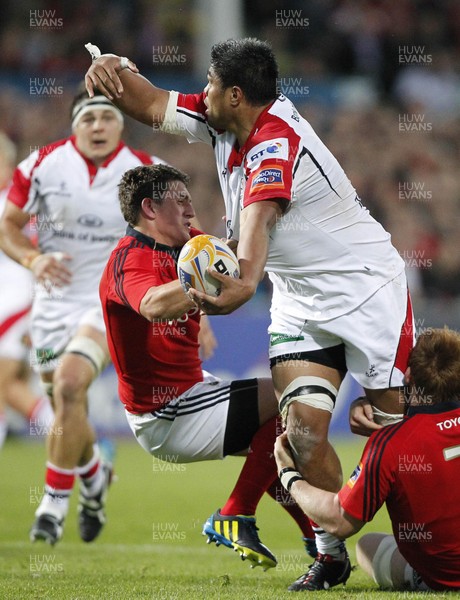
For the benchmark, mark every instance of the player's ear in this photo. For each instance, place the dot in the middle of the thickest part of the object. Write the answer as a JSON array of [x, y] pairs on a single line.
[[148, 208], [236, 95], [407, 376]]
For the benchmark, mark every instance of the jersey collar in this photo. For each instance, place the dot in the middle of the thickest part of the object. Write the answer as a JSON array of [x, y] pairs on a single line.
[[92, 169], [237, 155], [440, 407], [152, 243]]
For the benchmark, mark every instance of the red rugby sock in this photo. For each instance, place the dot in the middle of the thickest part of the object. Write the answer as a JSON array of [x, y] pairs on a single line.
[[257, 474]]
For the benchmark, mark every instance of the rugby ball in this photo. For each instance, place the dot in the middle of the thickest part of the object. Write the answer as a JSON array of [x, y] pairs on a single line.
[[200, 253]]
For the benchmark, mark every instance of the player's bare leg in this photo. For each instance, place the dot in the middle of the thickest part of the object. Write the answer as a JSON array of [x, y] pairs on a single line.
[[71, 448], [307, 426], [71, 441], [17, 393], [36, 409], [315, 458]]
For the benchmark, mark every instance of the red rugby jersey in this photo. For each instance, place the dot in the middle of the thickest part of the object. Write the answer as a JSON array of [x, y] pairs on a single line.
[[414, 466], [155, 362]]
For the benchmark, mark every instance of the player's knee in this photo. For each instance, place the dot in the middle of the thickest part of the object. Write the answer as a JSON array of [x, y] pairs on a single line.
[[306, 406], [68, 389]]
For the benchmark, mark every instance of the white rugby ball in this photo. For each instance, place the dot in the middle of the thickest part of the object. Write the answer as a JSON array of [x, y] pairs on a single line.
[[202, 252]]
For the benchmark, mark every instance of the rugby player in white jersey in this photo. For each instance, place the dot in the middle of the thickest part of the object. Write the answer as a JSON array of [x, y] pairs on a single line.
[[71, 188], [16, 391], [340, 299]]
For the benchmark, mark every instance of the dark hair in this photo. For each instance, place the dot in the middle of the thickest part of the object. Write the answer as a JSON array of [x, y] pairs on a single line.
[[435, 365], [249, 64], [79, 96], [82, 94], [145, 181]]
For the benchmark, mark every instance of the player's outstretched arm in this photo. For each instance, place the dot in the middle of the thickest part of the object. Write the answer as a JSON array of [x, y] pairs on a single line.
[[321, 506], [121, 82]]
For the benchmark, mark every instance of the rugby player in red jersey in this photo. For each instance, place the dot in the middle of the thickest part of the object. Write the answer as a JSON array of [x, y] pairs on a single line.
[[177, 411], [414, 468]]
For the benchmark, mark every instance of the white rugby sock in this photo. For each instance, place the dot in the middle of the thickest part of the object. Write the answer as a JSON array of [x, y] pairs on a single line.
[[327, 543], [91, 475]]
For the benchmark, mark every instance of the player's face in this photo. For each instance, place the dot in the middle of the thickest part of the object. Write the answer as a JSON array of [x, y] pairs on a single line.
[[97, 134], [216, 102], [173, 216]]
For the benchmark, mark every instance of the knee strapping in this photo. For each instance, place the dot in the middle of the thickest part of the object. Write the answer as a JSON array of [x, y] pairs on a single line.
[[90, 349], [313, 391]]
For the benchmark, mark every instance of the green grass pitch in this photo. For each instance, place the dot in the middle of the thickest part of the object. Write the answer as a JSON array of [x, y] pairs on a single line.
[[152, 545]]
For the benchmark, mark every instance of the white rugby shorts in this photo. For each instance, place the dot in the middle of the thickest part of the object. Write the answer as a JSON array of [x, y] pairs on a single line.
[[377, 336], [52, 332], [190, 428]]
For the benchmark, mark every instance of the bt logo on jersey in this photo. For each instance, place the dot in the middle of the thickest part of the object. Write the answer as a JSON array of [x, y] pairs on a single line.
[[278, 146], [271, 149]]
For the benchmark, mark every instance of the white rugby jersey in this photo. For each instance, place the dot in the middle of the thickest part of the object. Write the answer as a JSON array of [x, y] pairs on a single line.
[[76, 211], [17, 284], [326, 251]]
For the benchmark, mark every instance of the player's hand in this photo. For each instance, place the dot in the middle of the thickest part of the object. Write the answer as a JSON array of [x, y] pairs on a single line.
[[234, 293], [206, 339], [50, 269], [361, 417], [283, 453], [103, 75]]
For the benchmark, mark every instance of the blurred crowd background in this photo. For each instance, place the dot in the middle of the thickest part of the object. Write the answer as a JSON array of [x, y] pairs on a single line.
[[378, 80]]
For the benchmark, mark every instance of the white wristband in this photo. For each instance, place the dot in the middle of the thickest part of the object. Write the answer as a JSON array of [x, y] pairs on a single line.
[[288, 478]]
